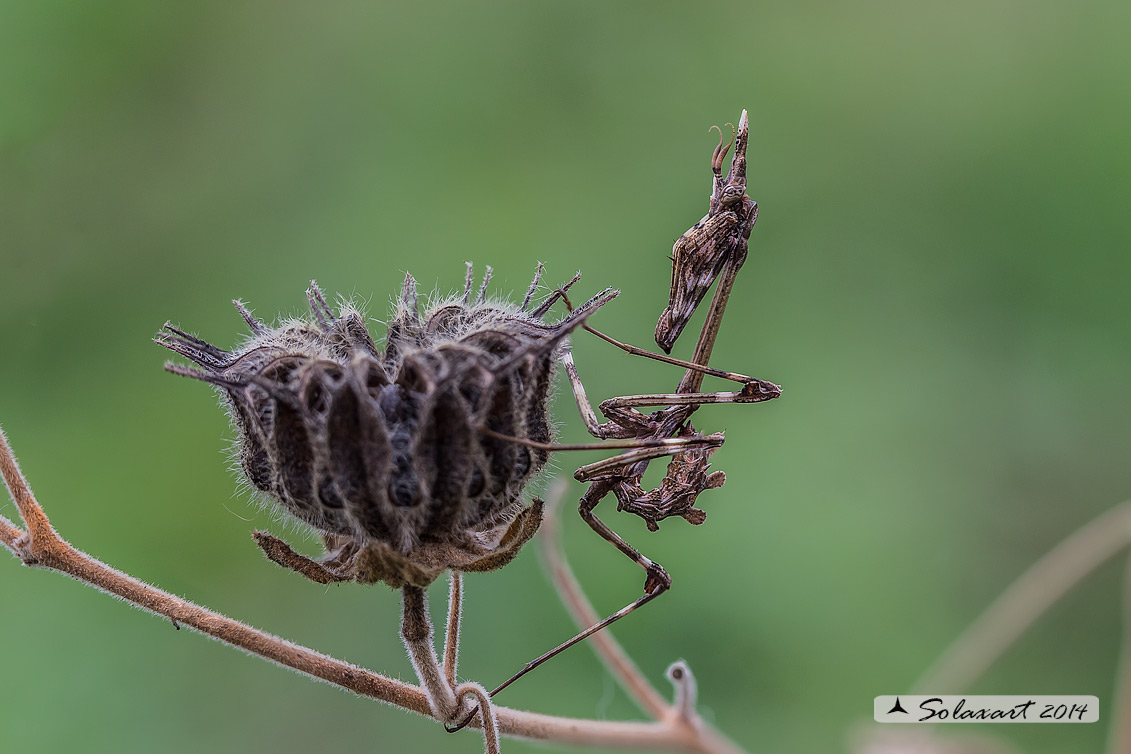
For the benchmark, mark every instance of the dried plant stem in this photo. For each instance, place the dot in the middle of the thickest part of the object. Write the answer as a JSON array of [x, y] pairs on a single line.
[[8, 532], [682, 712], [416, 630], [487, 713], [1045, 582], [1119, 733], [451, 636], [581, 610], [40, 546]]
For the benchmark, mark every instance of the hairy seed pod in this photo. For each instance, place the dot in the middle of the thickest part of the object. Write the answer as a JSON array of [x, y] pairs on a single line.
[[399, 456]]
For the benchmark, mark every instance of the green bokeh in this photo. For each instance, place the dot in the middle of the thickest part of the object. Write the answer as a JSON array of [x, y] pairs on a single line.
[[939, 279]]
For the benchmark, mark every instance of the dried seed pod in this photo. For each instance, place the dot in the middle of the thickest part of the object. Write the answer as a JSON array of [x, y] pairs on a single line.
[[383, 451]]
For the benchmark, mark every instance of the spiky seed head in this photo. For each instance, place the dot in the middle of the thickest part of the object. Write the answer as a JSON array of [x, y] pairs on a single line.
[[383, 450]]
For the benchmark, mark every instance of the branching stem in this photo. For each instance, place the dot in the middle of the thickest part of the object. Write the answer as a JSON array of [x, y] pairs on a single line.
[[40, 546]]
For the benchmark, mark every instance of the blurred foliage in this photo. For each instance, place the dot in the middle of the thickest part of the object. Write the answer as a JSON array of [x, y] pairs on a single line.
[[939, 279]]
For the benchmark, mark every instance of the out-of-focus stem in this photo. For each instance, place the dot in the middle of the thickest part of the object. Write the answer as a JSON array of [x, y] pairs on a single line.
[[1045, 582]]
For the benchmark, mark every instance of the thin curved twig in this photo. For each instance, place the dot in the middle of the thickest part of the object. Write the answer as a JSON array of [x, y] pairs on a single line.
[[686, 691], [581, 610], [451, 635], [1119, 731], [681, 714], [487, 712], [1045, 582]]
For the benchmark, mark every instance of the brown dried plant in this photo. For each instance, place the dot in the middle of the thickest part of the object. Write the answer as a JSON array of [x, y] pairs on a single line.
[[411, 460]]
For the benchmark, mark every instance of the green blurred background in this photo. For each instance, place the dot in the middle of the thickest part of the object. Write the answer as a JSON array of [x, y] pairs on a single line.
[[939, 280]]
